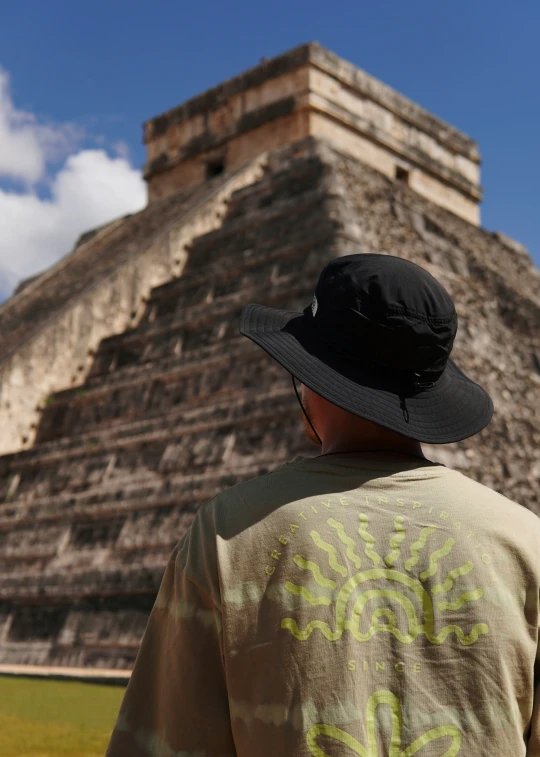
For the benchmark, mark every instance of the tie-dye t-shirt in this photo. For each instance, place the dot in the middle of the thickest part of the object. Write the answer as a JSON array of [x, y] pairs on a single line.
[[374, 605]]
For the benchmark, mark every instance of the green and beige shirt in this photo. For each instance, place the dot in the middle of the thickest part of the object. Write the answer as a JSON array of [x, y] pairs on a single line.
[[378, 605]]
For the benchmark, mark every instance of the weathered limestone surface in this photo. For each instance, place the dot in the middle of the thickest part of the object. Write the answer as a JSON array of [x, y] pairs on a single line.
[[311, 91], [180, 406], [51, 329]]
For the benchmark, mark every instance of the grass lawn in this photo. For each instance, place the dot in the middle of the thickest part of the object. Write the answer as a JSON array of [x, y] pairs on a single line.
[[56, 718]]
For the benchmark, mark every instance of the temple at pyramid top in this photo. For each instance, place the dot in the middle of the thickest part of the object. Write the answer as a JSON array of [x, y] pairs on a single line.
[[311, 91]]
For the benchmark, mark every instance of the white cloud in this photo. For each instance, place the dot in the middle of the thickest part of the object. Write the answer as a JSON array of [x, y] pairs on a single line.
[[89, 189], [26, 146]]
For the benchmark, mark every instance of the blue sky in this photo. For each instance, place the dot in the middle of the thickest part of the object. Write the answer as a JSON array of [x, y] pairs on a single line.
[[80, 78]]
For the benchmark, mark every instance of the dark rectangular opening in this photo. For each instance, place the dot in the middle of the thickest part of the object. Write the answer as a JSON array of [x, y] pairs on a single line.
[[402, 175], [37, 623], [85, 535], [215, 168]]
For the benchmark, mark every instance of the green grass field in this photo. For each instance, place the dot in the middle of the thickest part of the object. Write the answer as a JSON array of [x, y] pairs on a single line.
[[56, 718]]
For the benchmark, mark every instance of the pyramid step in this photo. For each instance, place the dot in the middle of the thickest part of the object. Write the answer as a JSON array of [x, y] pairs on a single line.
[[77, 584], [113, 481], [176, 386]]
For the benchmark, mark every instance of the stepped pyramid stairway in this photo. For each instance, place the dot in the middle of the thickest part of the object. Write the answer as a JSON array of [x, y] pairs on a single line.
[[181, 406]]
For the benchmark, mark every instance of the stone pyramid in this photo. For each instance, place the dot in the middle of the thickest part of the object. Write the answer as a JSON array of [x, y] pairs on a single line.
[[128, 396]]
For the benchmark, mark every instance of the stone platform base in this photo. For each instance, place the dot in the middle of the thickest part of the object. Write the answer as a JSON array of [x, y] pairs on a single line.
[[86, 675]]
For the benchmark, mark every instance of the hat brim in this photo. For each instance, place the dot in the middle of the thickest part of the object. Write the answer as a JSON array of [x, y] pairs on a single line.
[[455, 408]]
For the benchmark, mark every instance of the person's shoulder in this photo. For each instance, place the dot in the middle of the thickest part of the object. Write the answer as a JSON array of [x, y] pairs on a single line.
[[499, 502], [259, 482], [250, 490], [229, 512], [238, 508]]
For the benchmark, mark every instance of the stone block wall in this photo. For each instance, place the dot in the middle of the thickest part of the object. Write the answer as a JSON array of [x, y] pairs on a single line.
[[310, 91]]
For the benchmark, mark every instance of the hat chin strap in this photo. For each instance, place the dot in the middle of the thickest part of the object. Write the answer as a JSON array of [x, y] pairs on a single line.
[[307, 416]]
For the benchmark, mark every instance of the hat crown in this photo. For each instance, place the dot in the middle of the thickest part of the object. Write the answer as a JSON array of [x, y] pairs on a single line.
[[381, 286], [386, 314]]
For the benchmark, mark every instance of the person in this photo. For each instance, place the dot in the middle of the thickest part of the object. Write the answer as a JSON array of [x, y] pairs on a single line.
[[363, 601]]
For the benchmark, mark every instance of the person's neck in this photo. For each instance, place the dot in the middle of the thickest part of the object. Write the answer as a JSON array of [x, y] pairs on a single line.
[[337, 446]]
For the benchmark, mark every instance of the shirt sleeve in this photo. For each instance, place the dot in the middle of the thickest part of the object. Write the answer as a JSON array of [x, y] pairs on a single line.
[[176, 700]]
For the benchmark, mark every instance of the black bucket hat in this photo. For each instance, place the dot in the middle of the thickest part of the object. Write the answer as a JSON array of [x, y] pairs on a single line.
[[376, 341]]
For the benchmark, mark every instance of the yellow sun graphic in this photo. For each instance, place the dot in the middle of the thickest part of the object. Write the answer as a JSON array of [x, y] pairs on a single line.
[[440, 733], [349, 604]]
